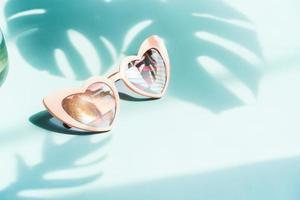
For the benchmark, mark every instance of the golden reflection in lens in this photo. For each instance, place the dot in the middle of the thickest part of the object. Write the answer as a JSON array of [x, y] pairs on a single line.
[[95, 107]]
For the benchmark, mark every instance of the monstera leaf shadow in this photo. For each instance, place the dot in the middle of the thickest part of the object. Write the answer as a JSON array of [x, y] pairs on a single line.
[[46, 121], [60, 159], [215, 54]]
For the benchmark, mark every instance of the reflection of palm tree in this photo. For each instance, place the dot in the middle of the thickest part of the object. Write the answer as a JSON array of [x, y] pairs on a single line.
[[147, 66], [105, 25], [151, 63]]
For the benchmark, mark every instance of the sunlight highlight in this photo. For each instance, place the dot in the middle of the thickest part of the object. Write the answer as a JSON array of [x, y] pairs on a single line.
[[133, 32], [75, 173], [63, 64], [231, 46], [111, 48], [87, 50], [236, 22], [93, 157], [27, 13], [229, 80]]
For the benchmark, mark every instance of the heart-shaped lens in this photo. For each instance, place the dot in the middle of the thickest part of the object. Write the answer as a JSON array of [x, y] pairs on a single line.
[[149, 73], [96, 107]]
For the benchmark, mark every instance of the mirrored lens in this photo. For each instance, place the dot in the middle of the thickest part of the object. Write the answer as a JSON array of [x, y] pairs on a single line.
[[149, 73], [95, 107]]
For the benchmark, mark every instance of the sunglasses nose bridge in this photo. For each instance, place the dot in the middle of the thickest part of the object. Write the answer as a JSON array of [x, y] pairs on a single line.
[[115, 76]]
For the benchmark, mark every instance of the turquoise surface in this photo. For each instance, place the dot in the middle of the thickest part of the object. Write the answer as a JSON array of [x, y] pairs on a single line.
[[227, 128]]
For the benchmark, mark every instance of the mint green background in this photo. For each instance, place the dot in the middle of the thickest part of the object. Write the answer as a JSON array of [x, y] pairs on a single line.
[[223, 131]]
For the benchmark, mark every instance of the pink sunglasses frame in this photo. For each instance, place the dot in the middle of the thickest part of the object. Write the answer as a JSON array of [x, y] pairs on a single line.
[[53, 102]]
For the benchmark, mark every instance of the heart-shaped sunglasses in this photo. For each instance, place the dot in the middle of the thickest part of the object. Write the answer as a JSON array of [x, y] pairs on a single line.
[[95, 106]]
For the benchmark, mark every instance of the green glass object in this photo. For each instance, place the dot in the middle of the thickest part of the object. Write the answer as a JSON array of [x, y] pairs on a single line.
[[3, 59]]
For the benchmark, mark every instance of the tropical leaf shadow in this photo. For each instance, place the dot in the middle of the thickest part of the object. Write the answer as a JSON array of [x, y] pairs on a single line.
[[214, 50], [57, 158], [46, 121]]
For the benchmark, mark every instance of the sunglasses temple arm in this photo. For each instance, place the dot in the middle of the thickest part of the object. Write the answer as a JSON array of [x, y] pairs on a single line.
[[115, 76]]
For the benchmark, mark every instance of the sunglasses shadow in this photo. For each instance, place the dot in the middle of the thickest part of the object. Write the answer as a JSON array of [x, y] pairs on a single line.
[[46, 121], [127, 97]]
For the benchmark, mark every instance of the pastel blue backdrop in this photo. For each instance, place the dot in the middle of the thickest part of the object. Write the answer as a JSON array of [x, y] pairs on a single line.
[[227, 128]]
